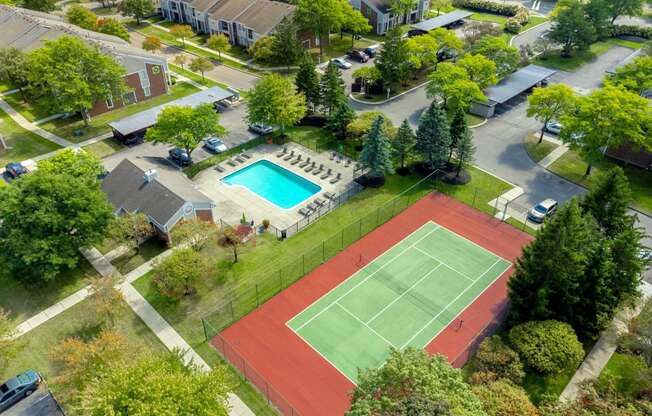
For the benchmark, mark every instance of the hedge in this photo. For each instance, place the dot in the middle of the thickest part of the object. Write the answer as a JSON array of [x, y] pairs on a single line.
[[630, 30], [505, 9]]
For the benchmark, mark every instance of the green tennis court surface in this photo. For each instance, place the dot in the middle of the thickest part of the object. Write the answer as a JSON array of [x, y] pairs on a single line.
[[404, 297]]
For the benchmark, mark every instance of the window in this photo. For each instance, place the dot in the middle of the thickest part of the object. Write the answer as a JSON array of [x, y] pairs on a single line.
[[250, 34], [147, 91], [224, 26], [109, 102], [144, 79], [129, 98]]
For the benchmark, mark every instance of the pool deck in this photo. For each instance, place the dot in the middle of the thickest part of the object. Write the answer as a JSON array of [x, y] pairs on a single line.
[[232, 201]]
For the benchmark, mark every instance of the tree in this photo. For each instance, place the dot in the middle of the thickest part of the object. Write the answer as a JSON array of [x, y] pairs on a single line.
[[332, 88], [74, 88], [81, 16], [547, 346], [637, 339], [402, 8], [502, 398], [132, 230], [47, 218], [550, 103], [422, 50], [322, 17], [394, 59], [201, 65], [193, 233], [153, 44], [608, 201], [79, 164], [176, 275], [617, 8], [340, 119], [307, 82], [233, 238], [480, 69], [362, 124], [433, 137], [636, 76], [356, 23], [597, 13], [609, 117], [446, 39], [39, 5], [274, 100], [219, 43], [376, 152], [8, 345], [403, 142], [464, 151], [494, 361], [262, 50], [497, 49], [185, 126], [459, 128], [368, 75], [286, 47], [474, 31], [181, 60], [413, 376], [106, 299], [440, 4], [569, 29], [183, 32], [157, 384], [451, 84], [14, 67], [138, 9], [113, 27]]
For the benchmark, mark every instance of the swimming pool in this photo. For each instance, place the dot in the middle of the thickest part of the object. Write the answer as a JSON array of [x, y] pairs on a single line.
[[274, 183]]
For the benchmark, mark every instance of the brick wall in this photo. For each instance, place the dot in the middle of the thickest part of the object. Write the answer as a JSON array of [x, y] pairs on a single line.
[[205, 215]]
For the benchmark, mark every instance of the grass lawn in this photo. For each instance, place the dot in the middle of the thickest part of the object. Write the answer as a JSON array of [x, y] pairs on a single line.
[[489, 17], [6, 86], [472, 119], [536, 150], [533, 21], [626, 373], [104, 148], [572, 167], [31, 110], [23, 301], [553, 59], [539, 386], [339, 46], [22, 144], [196, 77], [98, 125], [148, 250]]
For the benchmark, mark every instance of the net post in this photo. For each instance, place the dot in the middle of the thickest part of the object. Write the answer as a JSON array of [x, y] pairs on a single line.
[[257, 298], [360, 228], [323, 251], [303, 264], [232, 314], [475, 196]]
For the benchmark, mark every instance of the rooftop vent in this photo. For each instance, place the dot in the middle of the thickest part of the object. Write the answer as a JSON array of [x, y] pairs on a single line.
[[150, 175]]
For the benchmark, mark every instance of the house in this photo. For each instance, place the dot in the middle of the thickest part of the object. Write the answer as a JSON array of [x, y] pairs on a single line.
[[242, 21], [380, 16], [147, 74], [164, 196]]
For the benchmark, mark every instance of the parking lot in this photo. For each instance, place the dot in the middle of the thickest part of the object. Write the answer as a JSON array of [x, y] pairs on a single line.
[[39, 403]]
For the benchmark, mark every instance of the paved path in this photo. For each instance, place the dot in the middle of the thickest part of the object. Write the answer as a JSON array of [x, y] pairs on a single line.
[[554, 155], [22, 122], [602, 351]]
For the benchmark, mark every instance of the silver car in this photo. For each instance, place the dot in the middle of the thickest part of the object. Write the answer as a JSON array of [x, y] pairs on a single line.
[[553, 127], [542, 210], [341, 63]]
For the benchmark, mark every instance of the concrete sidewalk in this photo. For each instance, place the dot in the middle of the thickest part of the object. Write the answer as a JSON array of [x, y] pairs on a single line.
[[27, 125]]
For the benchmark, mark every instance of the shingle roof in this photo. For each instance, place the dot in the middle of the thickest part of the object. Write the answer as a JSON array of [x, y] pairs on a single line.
[[382, 6], [264, 15], [229, 10], [160, 199]]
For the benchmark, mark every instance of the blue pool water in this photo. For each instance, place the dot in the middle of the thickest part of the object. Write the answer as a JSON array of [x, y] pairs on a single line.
[[274, 183]]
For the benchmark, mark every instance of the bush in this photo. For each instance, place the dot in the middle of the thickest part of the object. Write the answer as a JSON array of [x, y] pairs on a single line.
[[361, 125], [631, 30], [512, 25], [547, 346], [502, 398], [176, 275], [495, 360], [504, 9]]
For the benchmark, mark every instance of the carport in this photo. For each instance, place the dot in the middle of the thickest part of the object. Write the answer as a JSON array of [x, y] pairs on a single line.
[[510, 87], [132, 128], [440, 21]]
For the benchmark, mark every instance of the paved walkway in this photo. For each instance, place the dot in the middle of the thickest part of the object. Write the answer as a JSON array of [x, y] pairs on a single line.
[[553, 156], [22, 122], [602, 351]]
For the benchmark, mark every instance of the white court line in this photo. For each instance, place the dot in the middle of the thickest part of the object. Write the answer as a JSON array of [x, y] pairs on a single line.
[[449, 304], [363, 280], [403, 294], [362, 322], [446, 265], [454, 234]]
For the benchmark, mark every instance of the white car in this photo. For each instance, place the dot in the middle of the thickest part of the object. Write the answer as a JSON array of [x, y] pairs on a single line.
[[553, 127], [215, 145], [341, 63], [543, 209]]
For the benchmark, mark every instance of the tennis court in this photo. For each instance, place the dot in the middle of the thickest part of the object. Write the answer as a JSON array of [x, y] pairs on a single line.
[[402, 298]]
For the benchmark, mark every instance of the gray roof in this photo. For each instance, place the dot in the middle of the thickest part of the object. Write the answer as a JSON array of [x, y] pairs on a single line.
[[383, 6], [629, 58], [514, 84], [160, 199], [442, 20], [147, 118]]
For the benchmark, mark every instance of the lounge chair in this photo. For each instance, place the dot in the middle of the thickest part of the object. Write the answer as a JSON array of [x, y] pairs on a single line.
[[290, 156], [239, 159], [347, 163], [337, 178], [319, 202], [295, 161], [246, 155], [230, 162], [312, 206], [304, 212], [338, 159], [320, 170], [219, 168], [327, 174], [332, 155], [305, 163], [311, 167], [282, 152], [329, 195]]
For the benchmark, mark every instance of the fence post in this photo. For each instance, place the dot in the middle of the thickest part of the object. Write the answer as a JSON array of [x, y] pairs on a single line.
[[323, 251], [303, 264], [475, 195], [496, 205], [360, 228], [232, 314], [257, 298], [505, 211], [377, 216], [280, 278]]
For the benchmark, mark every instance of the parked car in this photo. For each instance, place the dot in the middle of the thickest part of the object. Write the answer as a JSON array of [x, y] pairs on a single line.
[[445, 54], [553, 127], [220, 106], [455, 24], [542, 210], [357, 55], [15, 169], [415, 32], [261, 128], [17, 388], [180, 156], [215, 145], [341, 63], [371, 51]]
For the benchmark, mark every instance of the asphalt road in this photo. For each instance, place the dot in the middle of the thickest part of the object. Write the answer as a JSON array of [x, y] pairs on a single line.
[[39, 403]]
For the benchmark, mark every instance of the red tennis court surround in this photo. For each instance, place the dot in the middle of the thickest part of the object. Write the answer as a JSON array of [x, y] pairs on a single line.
[[295, 377]]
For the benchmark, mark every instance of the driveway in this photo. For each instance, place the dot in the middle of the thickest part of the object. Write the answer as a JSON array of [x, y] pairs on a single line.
[[227, 75], [39, 403]]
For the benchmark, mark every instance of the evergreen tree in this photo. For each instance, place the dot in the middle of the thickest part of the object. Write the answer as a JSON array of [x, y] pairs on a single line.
[[464, 151], [286, 46], [459, 127], [403, 142], [339, 119], [608, 201], [332, 88], [307, 82], [433, 136], [394, 57], [376, 152]]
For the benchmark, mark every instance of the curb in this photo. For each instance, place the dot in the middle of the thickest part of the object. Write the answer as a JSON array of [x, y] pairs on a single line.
[[389, 99], [482, 123], [527, 30]]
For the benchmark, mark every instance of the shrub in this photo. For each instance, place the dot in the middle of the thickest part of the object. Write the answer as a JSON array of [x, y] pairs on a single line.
[[547, 346], [266, 224], [505, 9], [512, 25], [176, 275], [495, 360], [361, 125], [631, 30], [522, 16], [502, 398]]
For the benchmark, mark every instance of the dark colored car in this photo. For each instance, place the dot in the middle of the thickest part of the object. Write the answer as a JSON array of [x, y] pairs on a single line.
[[445, 54], [357, 55], [415, 32], [455, 24], [180, 156], [15, 169], [17, 388], [220, 106], [371, 51]]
